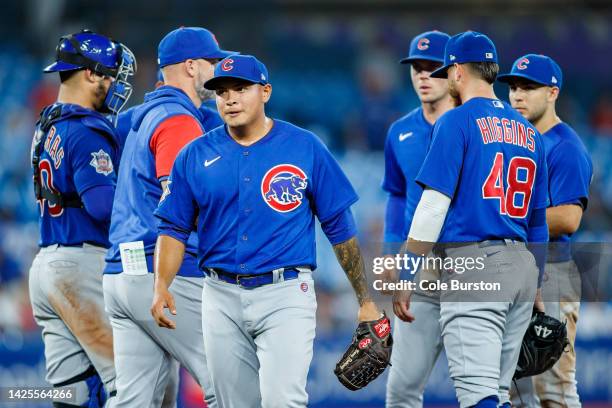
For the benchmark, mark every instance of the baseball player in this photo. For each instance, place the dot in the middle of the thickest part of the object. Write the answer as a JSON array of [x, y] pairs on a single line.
[[73, 153], [167, 121], [210, 120], [535, 82], [407, 143], [485, 186], [254, 187]]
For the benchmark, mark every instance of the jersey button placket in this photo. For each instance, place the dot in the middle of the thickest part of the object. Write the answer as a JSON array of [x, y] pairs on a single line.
[[243, 207]]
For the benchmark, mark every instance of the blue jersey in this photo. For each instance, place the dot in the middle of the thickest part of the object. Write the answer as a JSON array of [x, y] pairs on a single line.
[[405, 148], [491, 162], [569, 175], [79, 152], [138, 188], [255, 205]]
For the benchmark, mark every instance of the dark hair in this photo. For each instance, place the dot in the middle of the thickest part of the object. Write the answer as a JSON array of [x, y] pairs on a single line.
[[485, 70], [66, 75]]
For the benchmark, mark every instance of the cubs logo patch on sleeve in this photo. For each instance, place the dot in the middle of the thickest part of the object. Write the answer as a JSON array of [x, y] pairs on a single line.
[[282, 187], [101, 161]]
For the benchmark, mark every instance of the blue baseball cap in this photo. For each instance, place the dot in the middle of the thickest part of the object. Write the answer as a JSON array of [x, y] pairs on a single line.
[[469, 46], [189, 43], [427, 46], [537, 68], [245, 67]]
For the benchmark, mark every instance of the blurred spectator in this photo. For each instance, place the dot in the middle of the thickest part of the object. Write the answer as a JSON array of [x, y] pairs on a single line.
[[379, 103], [44, 93], [601, 119]]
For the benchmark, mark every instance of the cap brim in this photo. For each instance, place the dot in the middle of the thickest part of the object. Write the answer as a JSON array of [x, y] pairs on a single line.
[[213, 83], [409, 60], [60, 66], [440, 72], [507, 78]]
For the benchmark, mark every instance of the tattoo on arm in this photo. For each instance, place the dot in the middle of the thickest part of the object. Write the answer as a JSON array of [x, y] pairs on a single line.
[[349, 257]]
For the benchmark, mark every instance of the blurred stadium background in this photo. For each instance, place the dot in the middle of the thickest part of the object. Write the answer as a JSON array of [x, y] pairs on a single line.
[[333, 65]]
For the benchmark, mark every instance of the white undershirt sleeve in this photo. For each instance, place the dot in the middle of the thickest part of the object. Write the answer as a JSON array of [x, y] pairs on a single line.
[[429, 216]]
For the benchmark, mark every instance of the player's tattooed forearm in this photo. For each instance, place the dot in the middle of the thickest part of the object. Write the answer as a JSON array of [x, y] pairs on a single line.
[[349, 256]]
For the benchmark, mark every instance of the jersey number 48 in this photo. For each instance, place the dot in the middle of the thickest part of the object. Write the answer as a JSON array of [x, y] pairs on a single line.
[[515, 193]]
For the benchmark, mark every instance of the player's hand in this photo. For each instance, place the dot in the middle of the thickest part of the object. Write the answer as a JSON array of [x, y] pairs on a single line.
[[401, 305], [388, 276], [368, 312], [163, 299], [538, 305]]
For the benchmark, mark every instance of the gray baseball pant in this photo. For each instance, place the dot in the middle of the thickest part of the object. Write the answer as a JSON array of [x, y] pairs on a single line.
[[482, 331], [144, 352], [416, 348], [259, 341], [66, 295]]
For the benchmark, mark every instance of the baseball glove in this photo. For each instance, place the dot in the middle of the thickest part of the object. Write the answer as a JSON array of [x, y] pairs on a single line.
[[543, 344], [367, 356]]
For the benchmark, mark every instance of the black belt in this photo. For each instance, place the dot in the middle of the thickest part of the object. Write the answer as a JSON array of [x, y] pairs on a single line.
[[255, 281]]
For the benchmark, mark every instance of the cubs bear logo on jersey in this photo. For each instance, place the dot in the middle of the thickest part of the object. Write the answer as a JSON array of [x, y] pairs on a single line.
[[282, 187], [102, 162]]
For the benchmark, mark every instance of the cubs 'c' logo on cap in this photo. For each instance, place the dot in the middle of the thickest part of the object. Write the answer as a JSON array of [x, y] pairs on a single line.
[[522, 64], [282, 187], [423, 44], [227, 65]]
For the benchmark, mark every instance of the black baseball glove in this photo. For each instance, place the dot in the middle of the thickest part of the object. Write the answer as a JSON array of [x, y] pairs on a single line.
[[367, 356], [543, 344]]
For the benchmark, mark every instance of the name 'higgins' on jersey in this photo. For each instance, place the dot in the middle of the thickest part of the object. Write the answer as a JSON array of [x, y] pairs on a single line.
[[503, 130], [494, 171]]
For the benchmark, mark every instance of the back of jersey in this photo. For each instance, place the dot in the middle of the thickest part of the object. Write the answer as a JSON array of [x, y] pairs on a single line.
[[491, 162], [77, 152]]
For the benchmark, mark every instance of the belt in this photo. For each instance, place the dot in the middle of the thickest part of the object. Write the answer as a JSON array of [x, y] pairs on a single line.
[[439, 249], [497, 242], [77, 245], [255, 281]]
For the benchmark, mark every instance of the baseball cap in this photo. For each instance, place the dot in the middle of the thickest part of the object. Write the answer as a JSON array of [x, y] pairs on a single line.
[[469, 46], [537, 68], [427, 46], [245, 67], [188, 43]]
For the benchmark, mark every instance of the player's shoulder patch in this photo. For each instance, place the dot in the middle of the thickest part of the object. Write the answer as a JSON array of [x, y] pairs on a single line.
[[102, 162]]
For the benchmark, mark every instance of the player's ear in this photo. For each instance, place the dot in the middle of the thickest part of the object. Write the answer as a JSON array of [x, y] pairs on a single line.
[[553, 93], [458, 72], [266, 92], [89, 75], [190, 68]]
